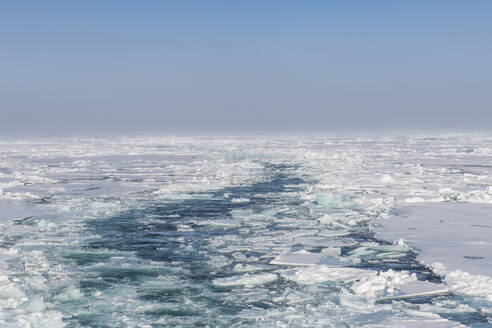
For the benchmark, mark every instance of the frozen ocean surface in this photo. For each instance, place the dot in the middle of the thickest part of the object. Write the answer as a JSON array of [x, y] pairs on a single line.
[[278, 231]]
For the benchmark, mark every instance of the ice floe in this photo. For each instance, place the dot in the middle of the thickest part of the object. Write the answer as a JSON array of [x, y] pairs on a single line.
[[247, 280]]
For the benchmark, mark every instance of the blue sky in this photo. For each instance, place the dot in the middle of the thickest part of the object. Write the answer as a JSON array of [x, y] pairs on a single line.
[[193, 66]]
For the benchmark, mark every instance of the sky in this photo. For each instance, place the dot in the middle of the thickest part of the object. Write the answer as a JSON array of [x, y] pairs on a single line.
[[210, 66]]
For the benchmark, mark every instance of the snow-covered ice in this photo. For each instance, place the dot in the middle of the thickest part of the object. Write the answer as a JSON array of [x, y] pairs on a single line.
[[454, 239]]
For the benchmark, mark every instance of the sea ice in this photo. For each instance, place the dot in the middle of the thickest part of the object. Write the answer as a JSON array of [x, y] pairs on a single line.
[[315, 241], [335, 201], [240, 200], [300, 258], [399, 322], [458, 235], [305, 258], [71, 293], [247, 280], [34, 305], [323, 273], [10, 290], [465, 283], [250, 200]]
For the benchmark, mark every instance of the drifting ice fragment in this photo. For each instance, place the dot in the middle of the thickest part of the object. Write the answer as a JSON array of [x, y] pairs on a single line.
[[305, 258], [331, 200], [301, 258], [416, 289], [34, 305], [465, 283], [416, 323], [246, 280], [331, 251], [333, 233], [10, 290], [70, 294], [396, 285], [240, 200], [386, 178], [324, 273], [323, 242]]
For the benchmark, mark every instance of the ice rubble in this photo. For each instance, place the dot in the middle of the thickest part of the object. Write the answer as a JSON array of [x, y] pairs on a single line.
[[29, 311], [372, 285], [467, 284]]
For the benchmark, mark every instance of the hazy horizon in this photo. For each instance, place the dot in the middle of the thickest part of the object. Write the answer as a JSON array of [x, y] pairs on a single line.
[[221, 67]]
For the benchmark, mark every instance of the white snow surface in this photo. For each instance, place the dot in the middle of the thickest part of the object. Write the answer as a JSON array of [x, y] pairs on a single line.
[[458, 235], [454, 239]]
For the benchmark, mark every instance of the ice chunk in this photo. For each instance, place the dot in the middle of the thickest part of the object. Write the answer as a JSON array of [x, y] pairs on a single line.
[[323, 242], [415, 323], [345, 221], [332, 251], [387, 179], [44, 225], [218, 261], [247, 268], [305, 258], [184, 227], [220, 222], [380, 251], [332, 200], [240, 200], [50, 319], [10, 290], [301, 258], [334, 233], [35, 304], [71, 293], [247, 280], [396, 285], [323, 273], [465, 283], [416, 289]]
